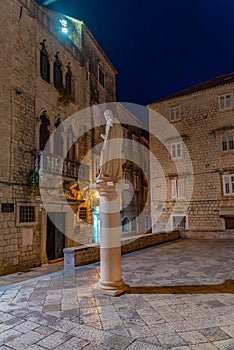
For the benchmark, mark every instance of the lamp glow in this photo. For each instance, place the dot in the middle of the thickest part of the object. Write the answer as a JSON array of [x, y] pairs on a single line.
[[64, 26]]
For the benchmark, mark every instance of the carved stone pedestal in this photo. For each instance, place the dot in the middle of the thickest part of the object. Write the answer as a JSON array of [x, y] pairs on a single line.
[[110, 282]]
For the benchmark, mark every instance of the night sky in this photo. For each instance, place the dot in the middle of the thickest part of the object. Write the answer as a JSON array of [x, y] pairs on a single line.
[[159, 46]]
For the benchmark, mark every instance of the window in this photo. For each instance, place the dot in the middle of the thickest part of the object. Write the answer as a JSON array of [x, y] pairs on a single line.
[[229, 223], [101, 76], [178, 188], [225, 102], [26, 213], [126, 176], [44, 63], [126, 225], [228, 185], [179, 222], [58, 74], [83, 213], [68, 81], [175, 113], [176, 150], [136, 182], [44, 130], [227, 142]]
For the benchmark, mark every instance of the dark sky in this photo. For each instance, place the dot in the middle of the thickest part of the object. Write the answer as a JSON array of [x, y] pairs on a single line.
[[159, 46]]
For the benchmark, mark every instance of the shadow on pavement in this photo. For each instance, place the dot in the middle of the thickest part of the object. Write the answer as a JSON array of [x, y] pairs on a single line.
[[225, 287]]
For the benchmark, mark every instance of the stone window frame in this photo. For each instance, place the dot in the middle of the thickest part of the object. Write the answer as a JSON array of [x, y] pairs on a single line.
[[175, 145], [185, 227], [228, 184], [175, 113], [225, 140], [30, 223], [224, 105], [44, 62]]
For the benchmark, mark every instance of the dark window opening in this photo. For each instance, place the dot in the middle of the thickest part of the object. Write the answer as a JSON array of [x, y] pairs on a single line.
[[44, 131], [229, 223], [44, 63], [179, 222], [126, 225], [27, 214], [68, 82], [58, 141], [58, 73], [101, 77]]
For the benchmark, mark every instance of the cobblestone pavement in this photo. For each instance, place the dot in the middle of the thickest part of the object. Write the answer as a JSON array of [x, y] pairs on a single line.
[[181, 297]]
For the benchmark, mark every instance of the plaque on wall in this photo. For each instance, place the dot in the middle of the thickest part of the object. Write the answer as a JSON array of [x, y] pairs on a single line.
[[7, 207]]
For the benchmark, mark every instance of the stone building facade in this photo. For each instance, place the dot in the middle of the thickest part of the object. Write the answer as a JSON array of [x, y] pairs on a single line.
[[51, 66], [199, 201]]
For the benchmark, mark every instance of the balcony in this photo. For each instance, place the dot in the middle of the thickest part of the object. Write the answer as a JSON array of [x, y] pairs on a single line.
[[52, 164]]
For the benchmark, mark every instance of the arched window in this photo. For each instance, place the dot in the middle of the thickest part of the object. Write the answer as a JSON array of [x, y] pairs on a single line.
[[44, 63], [58, 73], [44, 130], [126, 225], [68, 85]]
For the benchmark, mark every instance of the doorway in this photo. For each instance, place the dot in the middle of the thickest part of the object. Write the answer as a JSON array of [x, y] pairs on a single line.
[[55, 239]]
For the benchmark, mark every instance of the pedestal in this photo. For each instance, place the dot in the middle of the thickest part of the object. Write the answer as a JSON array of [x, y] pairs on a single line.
[[111, 282]]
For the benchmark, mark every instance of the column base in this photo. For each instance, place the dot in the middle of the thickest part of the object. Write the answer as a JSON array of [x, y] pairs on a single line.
[[112, 288]]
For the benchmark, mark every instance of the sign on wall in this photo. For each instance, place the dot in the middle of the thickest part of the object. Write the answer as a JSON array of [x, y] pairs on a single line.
[[7, 207]]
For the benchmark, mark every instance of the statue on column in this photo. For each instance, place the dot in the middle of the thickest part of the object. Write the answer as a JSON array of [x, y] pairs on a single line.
[[111, 159]]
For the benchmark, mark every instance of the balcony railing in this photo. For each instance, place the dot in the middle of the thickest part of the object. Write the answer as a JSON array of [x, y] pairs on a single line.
[[52, 164]]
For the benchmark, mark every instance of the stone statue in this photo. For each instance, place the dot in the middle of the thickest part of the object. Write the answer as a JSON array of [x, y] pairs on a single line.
[[111, 159]]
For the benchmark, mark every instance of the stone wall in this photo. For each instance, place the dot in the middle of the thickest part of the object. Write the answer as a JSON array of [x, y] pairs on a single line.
[[86, 254], [24, 97], [201, 126]]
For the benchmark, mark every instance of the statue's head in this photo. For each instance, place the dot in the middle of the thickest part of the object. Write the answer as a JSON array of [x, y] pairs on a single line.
[[108, 114]]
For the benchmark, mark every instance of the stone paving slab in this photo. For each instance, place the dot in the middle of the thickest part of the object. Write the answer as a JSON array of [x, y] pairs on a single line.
[[181, 298]]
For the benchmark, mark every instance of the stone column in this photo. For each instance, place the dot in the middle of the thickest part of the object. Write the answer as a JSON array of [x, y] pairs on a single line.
[[110, 282]]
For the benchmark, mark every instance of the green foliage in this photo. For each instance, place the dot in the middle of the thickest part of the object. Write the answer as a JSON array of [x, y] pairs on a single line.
[[34, 182]]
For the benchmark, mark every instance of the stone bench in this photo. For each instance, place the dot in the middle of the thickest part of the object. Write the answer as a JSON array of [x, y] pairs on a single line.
[[90, 253]]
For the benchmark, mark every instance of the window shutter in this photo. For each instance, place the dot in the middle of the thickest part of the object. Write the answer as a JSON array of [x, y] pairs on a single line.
[[228, 101], [226, 187], [231, 142], [173, 151], [179, 151], [224, 143], [221, 102]]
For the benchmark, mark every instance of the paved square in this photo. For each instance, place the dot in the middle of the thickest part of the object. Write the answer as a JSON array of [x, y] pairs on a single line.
[[181, 297]]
